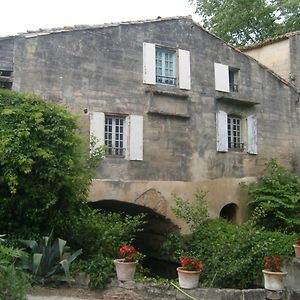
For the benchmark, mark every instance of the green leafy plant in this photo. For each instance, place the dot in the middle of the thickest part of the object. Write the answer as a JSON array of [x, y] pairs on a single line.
[[193, 212], [273, 263], [14, 284], [233, 254], [275, 199], [50, 259], [45, 169], [100, 269]]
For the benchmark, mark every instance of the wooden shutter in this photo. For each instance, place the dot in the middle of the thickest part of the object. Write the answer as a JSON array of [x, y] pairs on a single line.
[[252, 134], [184, 69], [149, 69], [221, 77], [222, 134], [97, 123], [135, 137]]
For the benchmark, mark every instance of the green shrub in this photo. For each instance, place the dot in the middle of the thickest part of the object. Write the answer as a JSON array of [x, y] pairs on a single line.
[[100, 269], [275, 199], [233, 255], [99, 233], [45, 171], [13, 283]]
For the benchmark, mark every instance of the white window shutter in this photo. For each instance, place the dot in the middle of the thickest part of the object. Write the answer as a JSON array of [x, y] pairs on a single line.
[[135, 137], [252, 134], [222, 134], [221, 77], [184, 69], [149, 69], [97, 123]]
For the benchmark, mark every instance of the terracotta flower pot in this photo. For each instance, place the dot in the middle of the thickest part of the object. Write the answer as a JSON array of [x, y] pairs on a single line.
[[274, 280], [297, 250], [125, 270], [188, 279]]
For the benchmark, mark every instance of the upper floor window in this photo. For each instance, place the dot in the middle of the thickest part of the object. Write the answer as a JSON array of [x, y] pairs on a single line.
[[114, 135], [226, 78], [234, 132], [122, 135], [166, 66], [233, 80]]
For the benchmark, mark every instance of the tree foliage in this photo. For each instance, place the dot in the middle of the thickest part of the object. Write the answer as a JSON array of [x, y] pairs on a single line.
[[275, 199], [44, 171], [241, 22]]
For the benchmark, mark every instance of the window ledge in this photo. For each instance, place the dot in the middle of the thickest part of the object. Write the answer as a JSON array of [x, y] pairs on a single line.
[[174, 115], [231, 97], [167, 91]]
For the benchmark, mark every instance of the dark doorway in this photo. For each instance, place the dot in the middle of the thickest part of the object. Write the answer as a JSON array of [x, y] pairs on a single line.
[[229, 212]]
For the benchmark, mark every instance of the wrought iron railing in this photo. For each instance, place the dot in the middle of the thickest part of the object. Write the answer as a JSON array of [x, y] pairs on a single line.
[[233, 87], [119, 152], [236, 146], [166, 80]]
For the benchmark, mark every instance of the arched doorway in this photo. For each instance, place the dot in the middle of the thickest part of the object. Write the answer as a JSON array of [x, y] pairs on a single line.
[[229, 212]]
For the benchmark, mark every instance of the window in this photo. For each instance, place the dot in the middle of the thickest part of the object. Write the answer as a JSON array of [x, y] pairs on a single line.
[[114, 135], [234, 133], [166, 66], [226, 78], [230, 133], [233, 80], [123, 136]]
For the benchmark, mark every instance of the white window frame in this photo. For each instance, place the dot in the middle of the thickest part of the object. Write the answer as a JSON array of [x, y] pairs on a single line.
[[235, 133], [115, 135], [165, 66]]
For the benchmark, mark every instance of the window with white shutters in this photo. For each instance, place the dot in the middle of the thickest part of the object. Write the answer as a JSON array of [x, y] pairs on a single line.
[[123, 136], [230, 131], [166, 66]]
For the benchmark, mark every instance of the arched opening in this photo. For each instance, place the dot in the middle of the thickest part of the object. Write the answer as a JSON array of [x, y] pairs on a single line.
[[229, 212], [148, 241]]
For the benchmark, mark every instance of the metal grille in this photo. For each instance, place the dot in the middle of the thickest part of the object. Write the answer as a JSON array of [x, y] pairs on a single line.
[[234, 133], [114, 136]]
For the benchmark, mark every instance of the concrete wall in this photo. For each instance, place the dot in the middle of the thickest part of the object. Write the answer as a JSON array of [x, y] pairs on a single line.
[[101, 69], [275, 56], [6, 53], [295, 58]]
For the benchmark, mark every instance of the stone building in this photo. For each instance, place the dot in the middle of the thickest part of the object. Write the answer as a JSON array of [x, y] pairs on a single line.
[[280, 54], [178, 108]]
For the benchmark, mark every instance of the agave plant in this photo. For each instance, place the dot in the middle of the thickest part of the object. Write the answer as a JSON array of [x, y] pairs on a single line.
[[50, 259]]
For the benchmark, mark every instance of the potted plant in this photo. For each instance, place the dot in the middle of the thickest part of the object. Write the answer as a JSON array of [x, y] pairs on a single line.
[[126, 265], [297, 248], [273, 275], [189, 272]]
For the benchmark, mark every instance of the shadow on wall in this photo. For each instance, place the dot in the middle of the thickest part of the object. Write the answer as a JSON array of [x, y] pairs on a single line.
[[229, 212]]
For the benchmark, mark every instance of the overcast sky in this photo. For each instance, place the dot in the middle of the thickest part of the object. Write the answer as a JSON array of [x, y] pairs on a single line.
[[22, 15]]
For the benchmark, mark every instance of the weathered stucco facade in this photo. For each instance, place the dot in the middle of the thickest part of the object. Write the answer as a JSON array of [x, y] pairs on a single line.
[[280, 54], [183, 131]]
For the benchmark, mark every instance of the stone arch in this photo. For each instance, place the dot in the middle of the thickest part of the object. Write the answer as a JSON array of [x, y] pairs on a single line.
[[229, 212]]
